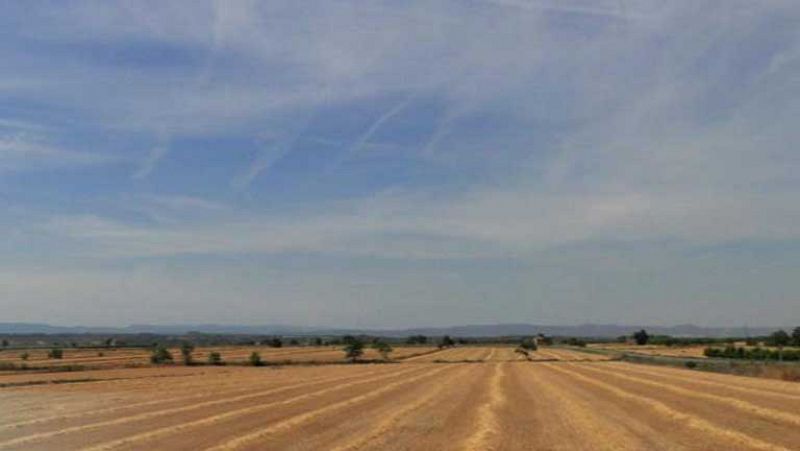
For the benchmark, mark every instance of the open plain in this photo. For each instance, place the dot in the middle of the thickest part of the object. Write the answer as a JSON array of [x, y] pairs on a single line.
[[458, 398]]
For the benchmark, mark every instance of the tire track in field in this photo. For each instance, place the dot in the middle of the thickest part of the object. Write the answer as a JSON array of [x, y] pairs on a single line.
[[696, 378], [159, 413], [686, 419], [426, 355], [154, 402], [488, 419], [302, 418], [581, 415], [763, 412], [169, 430], [388, 424]]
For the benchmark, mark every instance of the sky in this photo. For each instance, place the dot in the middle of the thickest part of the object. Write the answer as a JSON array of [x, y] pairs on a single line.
[[400, 163]]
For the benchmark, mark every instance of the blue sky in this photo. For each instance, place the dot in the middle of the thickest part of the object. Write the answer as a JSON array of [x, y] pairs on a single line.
[[400, 163]]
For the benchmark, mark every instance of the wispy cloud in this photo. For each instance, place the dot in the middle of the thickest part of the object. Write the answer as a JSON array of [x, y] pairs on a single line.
[[21, 151], [572, 125]]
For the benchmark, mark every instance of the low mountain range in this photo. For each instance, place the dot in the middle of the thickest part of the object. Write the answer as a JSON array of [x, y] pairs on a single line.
[[482, 330]]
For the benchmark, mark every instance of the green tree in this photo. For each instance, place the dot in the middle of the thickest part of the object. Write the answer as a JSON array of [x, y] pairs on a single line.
[[641, 337], [528, 344], [447, 342], [383, 348], [796, 336], [353, 350], [161, 355], [215, 358], [186, 351], [55, 353], [779, 338], [255, 359]]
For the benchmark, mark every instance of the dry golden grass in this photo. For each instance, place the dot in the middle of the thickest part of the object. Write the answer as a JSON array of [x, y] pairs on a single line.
[[489, 399]]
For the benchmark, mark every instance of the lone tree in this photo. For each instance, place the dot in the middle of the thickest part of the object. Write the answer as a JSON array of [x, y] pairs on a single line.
[[161, 355], [186, 351], [4, 343], [528, 344], [796, 336], [383, 348], [447, 342], [215, 358], [641, 337], [779, 338], [255, 359], [353, 349]]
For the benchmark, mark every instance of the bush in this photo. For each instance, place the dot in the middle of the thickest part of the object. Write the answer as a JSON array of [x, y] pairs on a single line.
[[572, 341], [100, 354], [215, 358], [733, 352], [55, 353], [779, 338], [186, 351], [446, 342], [641, 337], [691, 365], [161, 355], [255, 359], [24, 356], [528, 344], [383, 348], [353, 350]]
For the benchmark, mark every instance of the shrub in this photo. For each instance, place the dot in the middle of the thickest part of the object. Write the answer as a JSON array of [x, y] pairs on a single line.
[[528, 344], [161, 355], [572, 341], [353, 350], [186, 351], [24, 356], [4, 343], [447, 342], [100, 354], [383, 348], [215, 358], [691, 365], [641, 337], [779, 338], [255, 359], [55, 353]]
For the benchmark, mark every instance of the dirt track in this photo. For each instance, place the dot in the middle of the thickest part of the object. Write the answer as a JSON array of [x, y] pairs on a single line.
[[562, 400]]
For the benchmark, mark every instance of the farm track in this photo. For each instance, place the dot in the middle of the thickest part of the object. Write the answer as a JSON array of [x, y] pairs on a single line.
[[563, 399]]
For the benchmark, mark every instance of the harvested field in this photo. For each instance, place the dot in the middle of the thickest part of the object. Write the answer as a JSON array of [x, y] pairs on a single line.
[[493, 400], [112, 358]]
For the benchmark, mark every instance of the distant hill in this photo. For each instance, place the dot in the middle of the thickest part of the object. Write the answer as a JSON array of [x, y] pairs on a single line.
[[486, 330]]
